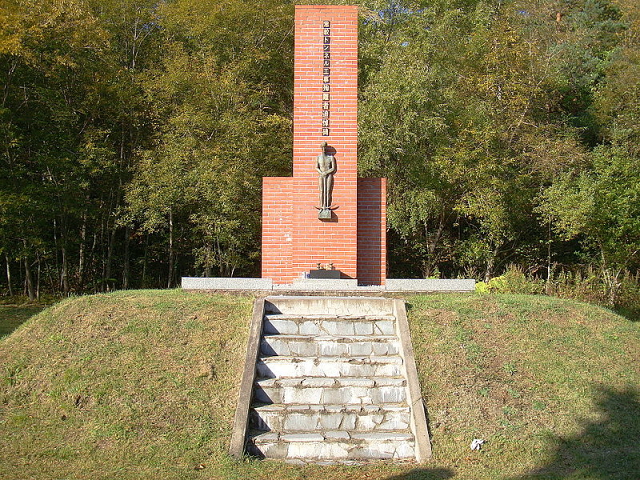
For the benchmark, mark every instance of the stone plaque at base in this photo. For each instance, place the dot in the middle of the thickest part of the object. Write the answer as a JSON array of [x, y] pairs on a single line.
[[324, 274]]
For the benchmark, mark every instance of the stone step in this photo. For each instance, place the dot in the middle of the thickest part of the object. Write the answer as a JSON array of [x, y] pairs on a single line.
[[311, 418], [333, 445], [328, 325], [327, 316], [331, 391], [327, 345], [289, 367], [338, 386]]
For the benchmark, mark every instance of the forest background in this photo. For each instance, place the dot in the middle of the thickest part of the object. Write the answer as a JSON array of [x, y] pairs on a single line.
[[134, 135]]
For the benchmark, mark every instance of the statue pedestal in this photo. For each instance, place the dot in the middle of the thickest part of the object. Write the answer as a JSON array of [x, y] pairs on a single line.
[[324, 214]]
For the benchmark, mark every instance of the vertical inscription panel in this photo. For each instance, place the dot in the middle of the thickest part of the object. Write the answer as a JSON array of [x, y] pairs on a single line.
[[326, 77], [325, 86]]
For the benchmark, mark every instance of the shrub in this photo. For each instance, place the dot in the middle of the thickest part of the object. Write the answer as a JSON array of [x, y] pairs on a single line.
[[514, 280]]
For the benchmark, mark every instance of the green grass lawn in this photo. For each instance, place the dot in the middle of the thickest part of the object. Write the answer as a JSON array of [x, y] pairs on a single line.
[[12, 316], [139, 385]]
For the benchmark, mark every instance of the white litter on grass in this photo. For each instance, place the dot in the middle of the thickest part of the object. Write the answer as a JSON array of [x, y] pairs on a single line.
[[477, 444]]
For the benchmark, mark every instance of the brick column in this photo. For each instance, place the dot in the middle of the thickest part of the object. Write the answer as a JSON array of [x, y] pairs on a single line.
[[325, 110], [326, 241], [372, 231]]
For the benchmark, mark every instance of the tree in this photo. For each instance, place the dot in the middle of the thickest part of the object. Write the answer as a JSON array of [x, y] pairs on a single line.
[[602, 208], [223, 121], [51, 73]]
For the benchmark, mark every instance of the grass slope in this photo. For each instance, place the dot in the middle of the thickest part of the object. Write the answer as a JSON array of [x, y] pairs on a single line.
[[143, 385]]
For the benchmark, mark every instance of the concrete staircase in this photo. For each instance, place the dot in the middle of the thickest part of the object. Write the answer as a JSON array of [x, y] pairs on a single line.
[[330, 384]]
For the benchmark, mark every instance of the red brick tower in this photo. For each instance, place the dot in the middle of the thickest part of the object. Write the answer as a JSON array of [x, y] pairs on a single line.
[[294, 238]]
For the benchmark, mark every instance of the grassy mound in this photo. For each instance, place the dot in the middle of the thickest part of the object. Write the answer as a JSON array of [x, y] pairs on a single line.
[[144, 384]]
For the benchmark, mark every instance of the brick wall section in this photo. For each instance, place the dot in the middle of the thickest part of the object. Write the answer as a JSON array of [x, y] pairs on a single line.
[[277, 228], [308, 73], [293, 247], [372, 231]]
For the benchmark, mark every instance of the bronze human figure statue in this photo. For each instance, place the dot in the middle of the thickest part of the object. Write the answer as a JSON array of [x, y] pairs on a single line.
[[326, 167]]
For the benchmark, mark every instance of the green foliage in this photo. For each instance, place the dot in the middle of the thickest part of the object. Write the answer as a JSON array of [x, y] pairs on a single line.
[[223, 124], [583, 284], [134, 135], [513, 280], [472, 112], [602, 207], [67, 148], [616, 104], [181, 106]]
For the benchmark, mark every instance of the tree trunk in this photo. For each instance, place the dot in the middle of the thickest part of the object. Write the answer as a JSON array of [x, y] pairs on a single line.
[[101, 244], [610, 278], [432, 245], [21, 276], [56, 257], [125, 267], [612, 282], [171, 252], [38, 278], [488, 274], [207, 261], [64, 241], [92, 257], [549, 263], [219, 257], [28, 279], [112, 241], [82, 253], [64, 276], [6, 259], [143, 281]]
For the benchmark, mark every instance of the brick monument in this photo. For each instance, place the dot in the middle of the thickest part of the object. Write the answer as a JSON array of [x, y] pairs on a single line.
[[324, 214]]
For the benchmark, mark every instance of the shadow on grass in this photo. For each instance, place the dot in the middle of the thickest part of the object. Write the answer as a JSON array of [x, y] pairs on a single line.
[[631, 314], [606, 449], [425, 474], [12, 316]]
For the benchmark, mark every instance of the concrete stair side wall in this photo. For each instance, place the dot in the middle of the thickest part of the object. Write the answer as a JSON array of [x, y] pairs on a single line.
[[415, 400], [241, 419]]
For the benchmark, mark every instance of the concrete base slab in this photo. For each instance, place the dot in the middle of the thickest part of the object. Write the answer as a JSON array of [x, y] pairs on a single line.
[[311, 285], [226, 283], [430, 285]]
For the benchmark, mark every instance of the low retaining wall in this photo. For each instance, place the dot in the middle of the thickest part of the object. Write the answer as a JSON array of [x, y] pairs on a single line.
[[326, 285]]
